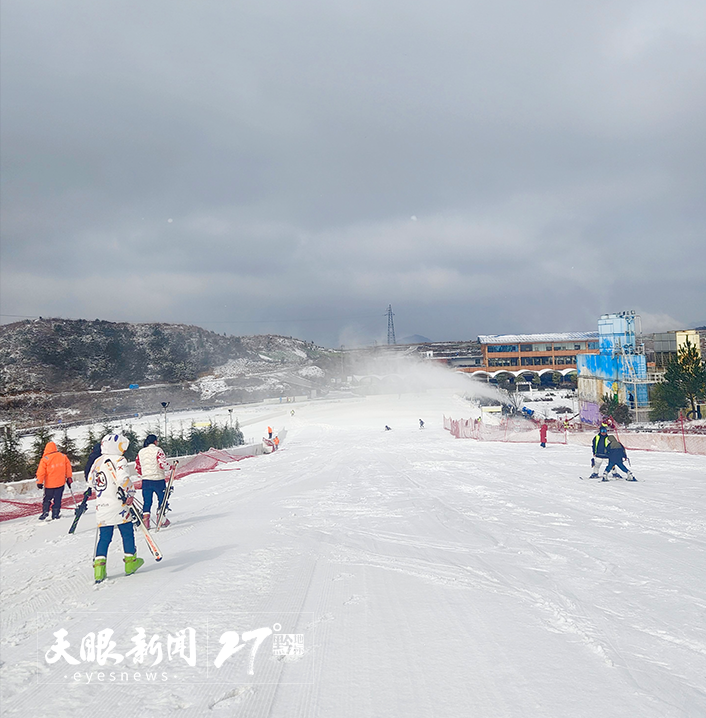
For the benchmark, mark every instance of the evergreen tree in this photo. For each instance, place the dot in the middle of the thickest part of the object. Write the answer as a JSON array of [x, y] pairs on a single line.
[[135, 444], [68, 446], [666, 400], [686, 377], [91, 441], [238, 438], [41, 438], [104, 430], [612, 407], [13, 463]]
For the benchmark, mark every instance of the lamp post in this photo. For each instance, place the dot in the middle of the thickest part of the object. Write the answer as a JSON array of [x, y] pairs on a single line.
[[165, 404]]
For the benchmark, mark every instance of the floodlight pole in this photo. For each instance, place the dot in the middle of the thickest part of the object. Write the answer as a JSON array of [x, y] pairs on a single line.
[[165, 404]]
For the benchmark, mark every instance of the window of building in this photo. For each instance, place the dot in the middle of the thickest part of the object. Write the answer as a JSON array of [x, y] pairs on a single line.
[[493, 348], [505, 361], [565, 360], [592, 345], [546, 360], [526, 347], [530, 361], [578, 346]]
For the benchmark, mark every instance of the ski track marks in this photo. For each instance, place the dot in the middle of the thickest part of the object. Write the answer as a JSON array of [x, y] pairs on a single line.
[[429, 576]]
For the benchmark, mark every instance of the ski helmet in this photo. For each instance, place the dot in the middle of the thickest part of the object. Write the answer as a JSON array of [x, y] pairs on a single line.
[[114, 444]]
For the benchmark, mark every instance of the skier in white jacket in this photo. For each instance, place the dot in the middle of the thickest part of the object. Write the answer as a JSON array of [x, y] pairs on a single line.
[[109, 478], [151, 464]]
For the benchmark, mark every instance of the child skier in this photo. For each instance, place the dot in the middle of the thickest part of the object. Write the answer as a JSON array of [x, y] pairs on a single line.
[[543, 434], [109, 477], [616, 455]]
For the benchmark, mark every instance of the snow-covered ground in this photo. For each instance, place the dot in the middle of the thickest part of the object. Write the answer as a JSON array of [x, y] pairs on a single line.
[[414, 575]]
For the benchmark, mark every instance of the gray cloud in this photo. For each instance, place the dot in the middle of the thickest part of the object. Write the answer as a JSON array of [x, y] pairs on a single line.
[[552, 153]]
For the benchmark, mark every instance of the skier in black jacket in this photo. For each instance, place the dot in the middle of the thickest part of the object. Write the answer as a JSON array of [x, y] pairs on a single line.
[[600, 450]]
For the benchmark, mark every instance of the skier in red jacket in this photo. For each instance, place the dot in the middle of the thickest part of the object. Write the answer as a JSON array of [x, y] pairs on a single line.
[[543, 435]]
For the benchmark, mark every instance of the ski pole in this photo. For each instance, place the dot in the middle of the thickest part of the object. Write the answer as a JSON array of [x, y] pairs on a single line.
[[73, 496]]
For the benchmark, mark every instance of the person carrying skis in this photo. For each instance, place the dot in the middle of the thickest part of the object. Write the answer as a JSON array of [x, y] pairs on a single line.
[[600, 450], [151, 464], [616, 457], [53, 473], [109, 478], [543, 434]]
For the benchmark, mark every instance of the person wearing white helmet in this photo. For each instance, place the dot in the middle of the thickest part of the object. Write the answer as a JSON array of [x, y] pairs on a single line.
[[109, 478]]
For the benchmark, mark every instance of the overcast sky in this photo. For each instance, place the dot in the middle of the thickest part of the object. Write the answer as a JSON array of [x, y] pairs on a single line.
[[294, 166]]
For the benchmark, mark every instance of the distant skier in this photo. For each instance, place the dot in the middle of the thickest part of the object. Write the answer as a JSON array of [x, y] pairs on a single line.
[[53, 473], [421, 424], [600, 450], [151, 464], [387, 428], [109, 473], [616, 457], [543, 434]]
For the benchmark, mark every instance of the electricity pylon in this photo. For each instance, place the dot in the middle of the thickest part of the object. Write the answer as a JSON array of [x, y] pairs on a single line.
[[390, 326]]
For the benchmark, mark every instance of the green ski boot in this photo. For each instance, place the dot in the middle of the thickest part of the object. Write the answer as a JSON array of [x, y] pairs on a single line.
[[132, 563], [99, 570]]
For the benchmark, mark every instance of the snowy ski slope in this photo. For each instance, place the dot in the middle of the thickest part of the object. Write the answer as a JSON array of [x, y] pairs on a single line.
[[415, 575]]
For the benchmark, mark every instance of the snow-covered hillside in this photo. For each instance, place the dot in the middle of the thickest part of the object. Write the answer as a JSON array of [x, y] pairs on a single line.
[[377, 573]]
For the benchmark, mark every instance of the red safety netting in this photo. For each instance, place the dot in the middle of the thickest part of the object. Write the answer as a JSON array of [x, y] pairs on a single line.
[[11, 509], [521, 431], [206, 461]]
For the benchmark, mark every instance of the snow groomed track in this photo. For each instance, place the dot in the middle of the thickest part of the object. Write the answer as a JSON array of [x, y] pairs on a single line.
[[410, 573]]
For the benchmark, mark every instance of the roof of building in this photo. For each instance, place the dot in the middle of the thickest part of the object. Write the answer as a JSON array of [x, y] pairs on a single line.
[[529, 338]]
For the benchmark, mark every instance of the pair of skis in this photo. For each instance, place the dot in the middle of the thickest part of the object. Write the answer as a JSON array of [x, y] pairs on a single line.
[[164, 506], [81, 509], [613, 477], [135, 513]]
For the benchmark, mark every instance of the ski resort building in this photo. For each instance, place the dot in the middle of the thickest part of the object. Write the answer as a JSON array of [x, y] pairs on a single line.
[[665, 345], [521, 354], [619, 369]]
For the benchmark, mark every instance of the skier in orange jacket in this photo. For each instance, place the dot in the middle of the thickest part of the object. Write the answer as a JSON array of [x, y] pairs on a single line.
[[53, 473]]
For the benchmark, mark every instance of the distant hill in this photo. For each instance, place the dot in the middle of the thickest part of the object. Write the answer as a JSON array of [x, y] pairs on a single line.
[[52, 357]]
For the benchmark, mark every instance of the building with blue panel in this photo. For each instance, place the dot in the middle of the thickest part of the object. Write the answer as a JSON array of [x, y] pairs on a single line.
[[619, 368]]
